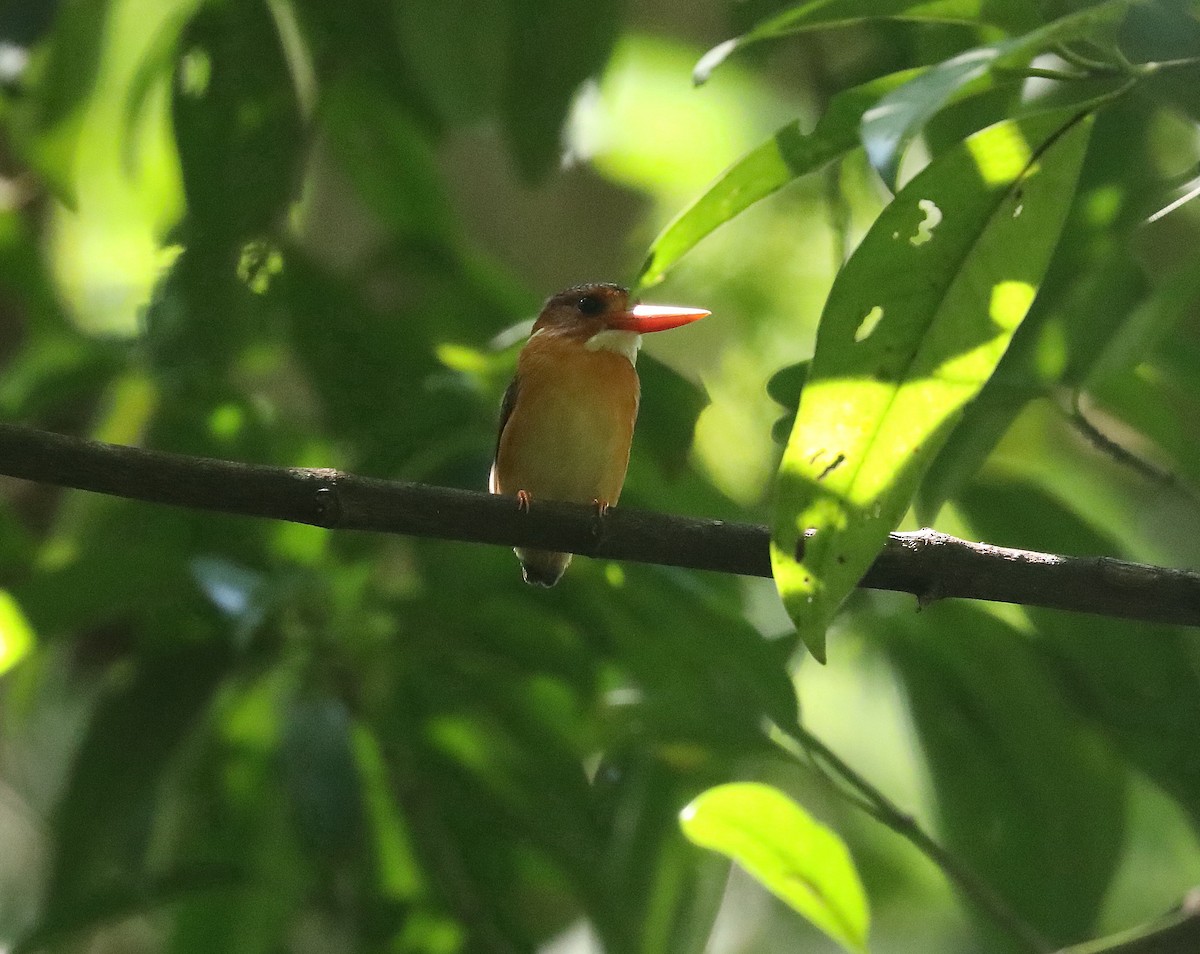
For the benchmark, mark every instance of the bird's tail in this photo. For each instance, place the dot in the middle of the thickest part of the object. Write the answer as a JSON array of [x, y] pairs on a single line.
[[542, 567]]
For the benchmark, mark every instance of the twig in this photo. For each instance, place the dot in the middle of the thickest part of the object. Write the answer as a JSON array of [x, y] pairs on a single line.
[[1119, 452], [1177, 934], [866, 797], [926, 563], [1086, 63], [1035, 72]]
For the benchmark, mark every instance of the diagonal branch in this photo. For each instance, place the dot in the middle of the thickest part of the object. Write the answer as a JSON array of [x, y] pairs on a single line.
[[926, 563]]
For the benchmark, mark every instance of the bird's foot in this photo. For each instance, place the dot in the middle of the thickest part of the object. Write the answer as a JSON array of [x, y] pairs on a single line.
[[598, 520], [523, 500]]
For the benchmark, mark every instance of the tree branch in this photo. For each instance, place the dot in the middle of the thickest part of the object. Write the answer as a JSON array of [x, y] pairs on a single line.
[[926, 563]]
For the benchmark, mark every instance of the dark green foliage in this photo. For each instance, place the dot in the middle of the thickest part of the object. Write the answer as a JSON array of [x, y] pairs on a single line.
[[236, 736]]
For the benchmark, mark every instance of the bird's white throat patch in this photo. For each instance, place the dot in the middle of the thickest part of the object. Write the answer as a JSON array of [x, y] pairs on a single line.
[[621, 342]]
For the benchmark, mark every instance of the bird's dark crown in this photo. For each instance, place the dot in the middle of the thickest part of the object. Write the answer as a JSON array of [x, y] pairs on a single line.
[[590, 300]]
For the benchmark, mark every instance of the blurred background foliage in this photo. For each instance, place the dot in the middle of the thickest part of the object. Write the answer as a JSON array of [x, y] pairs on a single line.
[[311, 233]]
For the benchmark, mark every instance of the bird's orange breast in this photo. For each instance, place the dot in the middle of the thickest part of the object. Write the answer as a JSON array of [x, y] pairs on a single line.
[[569, 432]]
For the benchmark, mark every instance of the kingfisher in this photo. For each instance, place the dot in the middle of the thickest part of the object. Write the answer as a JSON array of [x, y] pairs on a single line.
[[566, 421]]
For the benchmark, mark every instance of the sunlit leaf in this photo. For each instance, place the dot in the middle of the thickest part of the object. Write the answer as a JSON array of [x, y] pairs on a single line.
[[119, 184], [16, 635], [914, 326], [787, 155], [896, 120], [815, 14], [1098, 302], [1090, 293], [794, 856]]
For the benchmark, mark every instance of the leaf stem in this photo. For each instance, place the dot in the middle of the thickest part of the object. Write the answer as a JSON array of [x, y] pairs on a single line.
[[871, 800], [1176, 934], [1037, 72], [1118, 451], [1083, 62], [1155, 66]]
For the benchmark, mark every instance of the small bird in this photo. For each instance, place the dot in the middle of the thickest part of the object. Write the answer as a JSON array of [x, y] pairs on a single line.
[[567, 418]]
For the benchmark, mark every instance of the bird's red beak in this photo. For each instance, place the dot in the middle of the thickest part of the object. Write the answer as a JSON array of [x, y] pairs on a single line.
[[646, 318]]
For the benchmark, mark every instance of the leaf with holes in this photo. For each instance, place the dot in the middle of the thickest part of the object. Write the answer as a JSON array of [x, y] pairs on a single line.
[[915, 324], [795, 857]]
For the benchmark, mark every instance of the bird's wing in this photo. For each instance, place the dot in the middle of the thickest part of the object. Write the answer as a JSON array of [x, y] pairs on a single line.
[[506, 408]]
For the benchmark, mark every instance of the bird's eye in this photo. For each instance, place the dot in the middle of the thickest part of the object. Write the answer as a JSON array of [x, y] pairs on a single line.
[[590, 305]]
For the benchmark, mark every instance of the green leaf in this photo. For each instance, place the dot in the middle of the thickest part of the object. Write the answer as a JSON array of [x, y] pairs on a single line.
[[102, 825], [1028, 794], [25, 277], [890, 126], [1097, 302], [16, 635], [238, 124], [784, 387], [367, 377], [1158, 408], [52, 117], [666, 895], [320, 774], [913, 328], [787, 155], [665, 433], [454, 48], [554, 45], [231, 810], [121, 902], [794, 856], [1146, 325], [1135, 681], [387, 158], [1087, 299], [155, 70], [822, 14]]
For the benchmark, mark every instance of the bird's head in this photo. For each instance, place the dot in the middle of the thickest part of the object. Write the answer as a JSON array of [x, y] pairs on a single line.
[[584, 311]]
